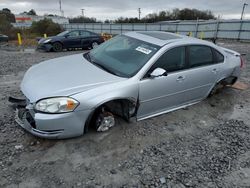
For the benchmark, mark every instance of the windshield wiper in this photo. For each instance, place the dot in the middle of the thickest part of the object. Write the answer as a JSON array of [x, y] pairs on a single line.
[[88, 57], [104, 68]]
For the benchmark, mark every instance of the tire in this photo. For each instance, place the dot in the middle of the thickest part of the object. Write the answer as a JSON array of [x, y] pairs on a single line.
[[94, 45], [104, 121], [216, 89], [57, 47]]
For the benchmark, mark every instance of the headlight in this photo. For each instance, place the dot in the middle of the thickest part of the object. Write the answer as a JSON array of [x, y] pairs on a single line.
[[47, 40], [57, 105]]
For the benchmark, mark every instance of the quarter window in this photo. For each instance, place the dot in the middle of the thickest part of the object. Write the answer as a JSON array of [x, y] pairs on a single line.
[[172, 60], [218, 57], [84, 33], [200, 55]]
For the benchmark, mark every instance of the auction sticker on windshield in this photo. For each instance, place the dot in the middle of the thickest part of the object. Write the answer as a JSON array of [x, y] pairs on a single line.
[[143, 50]]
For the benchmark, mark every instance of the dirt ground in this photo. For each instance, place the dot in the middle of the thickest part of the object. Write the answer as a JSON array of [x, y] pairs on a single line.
[[204, 145]]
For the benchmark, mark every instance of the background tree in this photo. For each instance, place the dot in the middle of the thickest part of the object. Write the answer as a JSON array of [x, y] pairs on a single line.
[[81, 19], [32, 12], [45, 26], [107, 21], [175, 14], [193, 14], [5, 25], [8, 15], [6, 10]]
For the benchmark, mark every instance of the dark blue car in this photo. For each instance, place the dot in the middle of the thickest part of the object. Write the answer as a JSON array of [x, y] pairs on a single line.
[[70, 40], [4, 38]]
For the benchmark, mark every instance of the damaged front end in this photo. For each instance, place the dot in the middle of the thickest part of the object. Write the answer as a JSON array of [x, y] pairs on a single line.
[[24, 116], [22, 113]]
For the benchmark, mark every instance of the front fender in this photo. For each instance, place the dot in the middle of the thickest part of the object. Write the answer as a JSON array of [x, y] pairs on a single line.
[[94, 98]]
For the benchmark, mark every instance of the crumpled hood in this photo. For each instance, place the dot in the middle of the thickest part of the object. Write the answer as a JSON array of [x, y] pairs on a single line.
[[53, 38], [41, 40], [64, 76]]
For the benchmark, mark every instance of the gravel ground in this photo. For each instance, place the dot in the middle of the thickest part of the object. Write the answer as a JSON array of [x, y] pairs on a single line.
[[205, 145]]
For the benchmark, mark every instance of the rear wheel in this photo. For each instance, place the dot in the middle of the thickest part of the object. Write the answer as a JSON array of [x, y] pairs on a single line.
[[215, 89], [57, 47], [222, 84]]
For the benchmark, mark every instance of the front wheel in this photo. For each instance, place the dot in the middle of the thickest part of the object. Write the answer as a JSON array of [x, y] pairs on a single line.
[[94, 45], [104, 121], [57, 47]]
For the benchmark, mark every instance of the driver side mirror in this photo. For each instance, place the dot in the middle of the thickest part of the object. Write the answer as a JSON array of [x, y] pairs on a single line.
[[66, 36], [158, 72]]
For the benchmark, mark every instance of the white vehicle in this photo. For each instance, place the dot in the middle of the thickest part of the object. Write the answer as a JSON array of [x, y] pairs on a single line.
[[137, 74]]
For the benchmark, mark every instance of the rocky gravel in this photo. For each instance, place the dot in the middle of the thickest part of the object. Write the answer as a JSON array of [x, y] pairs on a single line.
[[204, 145]]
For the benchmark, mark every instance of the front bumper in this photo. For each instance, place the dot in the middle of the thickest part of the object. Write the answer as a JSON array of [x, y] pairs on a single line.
[[4, 39], [25, 123], [46, 47], [52, 126]]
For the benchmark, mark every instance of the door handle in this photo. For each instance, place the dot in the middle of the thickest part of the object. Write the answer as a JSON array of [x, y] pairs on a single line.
[[214, 70], [180, 78]]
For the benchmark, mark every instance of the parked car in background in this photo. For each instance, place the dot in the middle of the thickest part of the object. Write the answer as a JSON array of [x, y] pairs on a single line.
[[137, 74], [70, 40], [4, 38]]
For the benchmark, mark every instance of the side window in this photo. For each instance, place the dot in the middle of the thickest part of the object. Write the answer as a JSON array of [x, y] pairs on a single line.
[[172, 60], [85, 33], [219, 58], [200, 55], [73, 34], [93, 34]]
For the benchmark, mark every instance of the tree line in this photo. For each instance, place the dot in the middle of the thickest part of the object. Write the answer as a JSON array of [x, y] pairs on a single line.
[[51, 28], [175, 14]]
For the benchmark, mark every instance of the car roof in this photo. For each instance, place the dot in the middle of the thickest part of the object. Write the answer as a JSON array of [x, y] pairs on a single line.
[[81, 30], [161, 38]]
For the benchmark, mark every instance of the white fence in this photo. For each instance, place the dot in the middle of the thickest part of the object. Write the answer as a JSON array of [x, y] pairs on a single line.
[[223, 29]]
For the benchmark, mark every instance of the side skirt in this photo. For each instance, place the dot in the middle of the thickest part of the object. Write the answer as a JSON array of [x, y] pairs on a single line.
[[169, 110]]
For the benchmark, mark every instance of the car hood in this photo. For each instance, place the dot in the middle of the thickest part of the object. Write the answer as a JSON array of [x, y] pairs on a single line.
[[64, 76], [53, 38], [5, 36]]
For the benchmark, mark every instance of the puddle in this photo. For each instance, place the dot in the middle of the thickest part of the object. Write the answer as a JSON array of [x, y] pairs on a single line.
[[17, 49], [28, 50], [240, 112]]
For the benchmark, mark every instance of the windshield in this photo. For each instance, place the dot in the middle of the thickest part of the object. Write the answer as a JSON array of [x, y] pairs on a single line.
[[122, 55], [62, 33]]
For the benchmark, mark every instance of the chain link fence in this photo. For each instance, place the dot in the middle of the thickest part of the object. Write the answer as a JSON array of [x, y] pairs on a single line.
[[217, 29]]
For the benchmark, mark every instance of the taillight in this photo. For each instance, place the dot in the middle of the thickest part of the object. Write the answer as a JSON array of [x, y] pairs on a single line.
[[241, 62]]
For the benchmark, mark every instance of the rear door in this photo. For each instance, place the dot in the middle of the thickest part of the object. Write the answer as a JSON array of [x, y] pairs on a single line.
[[203, 71], [86, 39]]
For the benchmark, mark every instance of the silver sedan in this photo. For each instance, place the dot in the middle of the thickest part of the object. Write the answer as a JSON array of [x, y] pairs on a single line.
[[137, 74]]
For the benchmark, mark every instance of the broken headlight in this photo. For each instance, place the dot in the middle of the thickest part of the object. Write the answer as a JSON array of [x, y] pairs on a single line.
[[56, 105], [47, 40]]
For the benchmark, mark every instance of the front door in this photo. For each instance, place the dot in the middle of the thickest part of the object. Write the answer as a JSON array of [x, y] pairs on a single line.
[[159, 94], [73, 40]]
